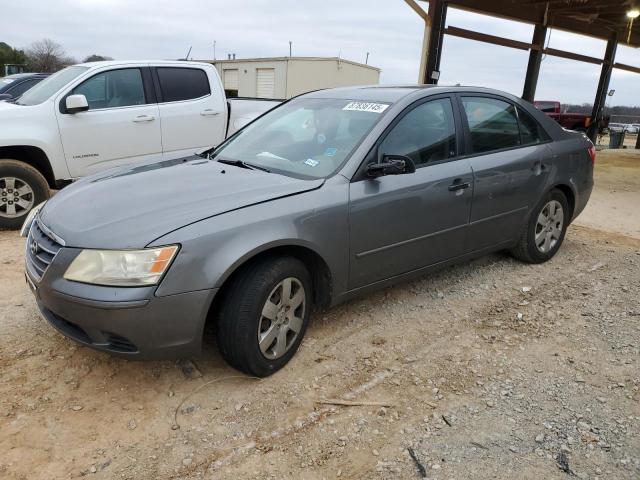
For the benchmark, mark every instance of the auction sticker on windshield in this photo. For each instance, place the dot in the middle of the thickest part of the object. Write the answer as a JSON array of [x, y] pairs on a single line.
[[366, 107]]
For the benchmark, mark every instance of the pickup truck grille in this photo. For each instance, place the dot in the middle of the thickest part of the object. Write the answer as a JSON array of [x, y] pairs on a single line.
[[41, 249]]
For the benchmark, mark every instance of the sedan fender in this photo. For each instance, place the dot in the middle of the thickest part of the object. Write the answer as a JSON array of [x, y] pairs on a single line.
[[227, 241]]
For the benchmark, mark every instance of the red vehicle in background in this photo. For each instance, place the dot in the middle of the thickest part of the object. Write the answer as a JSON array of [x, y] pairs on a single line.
[[571, 121]]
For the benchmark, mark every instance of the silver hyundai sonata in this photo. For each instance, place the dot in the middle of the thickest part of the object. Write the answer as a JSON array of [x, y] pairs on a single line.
[[328, 196]]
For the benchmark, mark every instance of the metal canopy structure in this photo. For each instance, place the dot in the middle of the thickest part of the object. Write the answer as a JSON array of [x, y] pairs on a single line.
[[603, 19]]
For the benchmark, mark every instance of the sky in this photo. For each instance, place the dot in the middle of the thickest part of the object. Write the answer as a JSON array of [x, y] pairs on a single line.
[[388, 29]]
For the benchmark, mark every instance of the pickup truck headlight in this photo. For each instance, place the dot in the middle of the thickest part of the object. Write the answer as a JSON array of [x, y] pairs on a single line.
[[121, 268]]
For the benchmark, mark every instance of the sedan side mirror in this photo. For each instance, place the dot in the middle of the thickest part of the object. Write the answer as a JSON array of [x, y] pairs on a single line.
[[391, 165], [5, 96], [76, 103]]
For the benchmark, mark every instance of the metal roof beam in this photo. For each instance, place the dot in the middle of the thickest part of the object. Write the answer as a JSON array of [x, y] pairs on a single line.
[[486, 38]]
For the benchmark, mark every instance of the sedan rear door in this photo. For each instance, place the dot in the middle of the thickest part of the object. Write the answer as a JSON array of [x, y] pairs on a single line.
[[509, 155], [400, 223]]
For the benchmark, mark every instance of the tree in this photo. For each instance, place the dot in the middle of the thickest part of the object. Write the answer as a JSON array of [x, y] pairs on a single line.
[[11, 56], [96, 58], [47, 56]]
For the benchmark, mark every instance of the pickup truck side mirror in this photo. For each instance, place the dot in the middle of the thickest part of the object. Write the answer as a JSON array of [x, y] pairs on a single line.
[[76, 103], [391, 165]]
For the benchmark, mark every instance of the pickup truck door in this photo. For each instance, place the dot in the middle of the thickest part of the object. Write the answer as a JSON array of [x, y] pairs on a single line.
[[511, 164], [192, 108], [122, 124]]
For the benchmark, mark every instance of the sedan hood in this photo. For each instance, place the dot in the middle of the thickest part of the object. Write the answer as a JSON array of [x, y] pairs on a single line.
[[130, 207]]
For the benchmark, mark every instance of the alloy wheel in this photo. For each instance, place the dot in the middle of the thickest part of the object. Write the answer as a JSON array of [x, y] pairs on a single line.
[[549, 226], [16, 197], [282, 318]]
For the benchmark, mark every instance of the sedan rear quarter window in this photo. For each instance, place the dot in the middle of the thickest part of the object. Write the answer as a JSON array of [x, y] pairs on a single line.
[[177, 84], [530, 131]]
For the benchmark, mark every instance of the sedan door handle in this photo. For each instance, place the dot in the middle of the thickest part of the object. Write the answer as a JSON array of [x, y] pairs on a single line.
[[459, 185], [209, 113], [144, 118]]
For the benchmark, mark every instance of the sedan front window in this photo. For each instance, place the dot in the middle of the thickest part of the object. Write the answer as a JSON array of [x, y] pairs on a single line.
[[305, 137]]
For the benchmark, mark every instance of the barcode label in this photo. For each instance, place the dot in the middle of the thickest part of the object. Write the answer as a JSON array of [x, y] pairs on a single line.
[[366, 107]]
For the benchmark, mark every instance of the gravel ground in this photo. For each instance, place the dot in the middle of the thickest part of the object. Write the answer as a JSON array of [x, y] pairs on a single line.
[[492, 369]]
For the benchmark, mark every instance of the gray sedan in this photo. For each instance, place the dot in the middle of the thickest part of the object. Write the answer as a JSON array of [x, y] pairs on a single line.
[[331, 195]]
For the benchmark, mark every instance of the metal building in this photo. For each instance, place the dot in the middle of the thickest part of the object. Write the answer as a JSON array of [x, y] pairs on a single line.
[[609, 20], [286, 77]]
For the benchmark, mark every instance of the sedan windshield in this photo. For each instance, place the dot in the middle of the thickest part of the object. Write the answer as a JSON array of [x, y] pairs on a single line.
[[50, 85], [306, 137]]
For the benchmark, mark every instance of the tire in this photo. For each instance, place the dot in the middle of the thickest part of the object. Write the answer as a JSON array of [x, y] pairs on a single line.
[[536, 244], [242, 320], [22, 187]]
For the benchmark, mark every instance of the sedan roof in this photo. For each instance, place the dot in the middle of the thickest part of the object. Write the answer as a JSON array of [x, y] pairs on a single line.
[[394, 93]]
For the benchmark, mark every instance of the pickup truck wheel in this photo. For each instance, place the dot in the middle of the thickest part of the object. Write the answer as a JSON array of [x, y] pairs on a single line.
[[545, 230], [21, 188], [265, 315]]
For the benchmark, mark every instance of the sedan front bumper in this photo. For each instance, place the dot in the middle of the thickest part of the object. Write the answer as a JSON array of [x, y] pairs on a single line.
[[124, 321]]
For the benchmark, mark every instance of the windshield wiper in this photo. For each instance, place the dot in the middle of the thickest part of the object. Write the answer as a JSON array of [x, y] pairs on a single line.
[[242, 164]]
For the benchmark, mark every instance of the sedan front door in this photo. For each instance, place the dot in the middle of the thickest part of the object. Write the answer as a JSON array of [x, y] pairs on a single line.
[[400, 223]]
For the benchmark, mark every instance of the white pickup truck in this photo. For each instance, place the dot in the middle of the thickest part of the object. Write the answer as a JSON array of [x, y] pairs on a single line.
[[94, 116]]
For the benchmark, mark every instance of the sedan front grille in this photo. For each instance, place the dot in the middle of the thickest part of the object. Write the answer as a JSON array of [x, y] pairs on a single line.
[[41, 250]]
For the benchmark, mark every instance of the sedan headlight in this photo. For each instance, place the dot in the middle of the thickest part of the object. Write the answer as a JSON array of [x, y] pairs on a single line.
[[122, 268]]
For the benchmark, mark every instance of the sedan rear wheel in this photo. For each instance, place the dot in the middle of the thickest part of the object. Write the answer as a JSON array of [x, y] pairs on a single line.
[[549, 226], [545, 230], [264, 314]]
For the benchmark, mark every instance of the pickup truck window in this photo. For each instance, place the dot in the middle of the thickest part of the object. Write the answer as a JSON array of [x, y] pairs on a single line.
[[50, 85], [114, 88], [178, 84], [304, 138], [493, 124]]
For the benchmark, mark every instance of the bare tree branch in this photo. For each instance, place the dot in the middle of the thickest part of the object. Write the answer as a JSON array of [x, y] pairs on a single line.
[[47, 56]]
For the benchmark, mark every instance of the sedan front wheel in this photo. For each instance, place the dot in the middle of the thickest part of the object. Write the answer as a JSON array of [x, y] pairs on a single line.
[[264, 315]]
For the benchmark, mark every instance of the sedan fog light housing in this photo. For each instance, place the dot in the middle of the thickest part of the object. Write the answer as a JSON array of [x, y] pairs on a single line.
[[121, 268]]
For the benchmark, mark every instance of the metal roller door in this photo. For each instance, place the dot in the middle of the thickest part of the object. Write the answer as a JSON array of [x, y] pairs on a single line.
[[231, 79], [265, 82]]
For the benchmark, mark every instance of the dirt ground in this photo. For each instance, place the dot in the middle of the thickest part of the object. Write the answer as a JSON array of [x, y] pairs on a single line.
[[492, 369]]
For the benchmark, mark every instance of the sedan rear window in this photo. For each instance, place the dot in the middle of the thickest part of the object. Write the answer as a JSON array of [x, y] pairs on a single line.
[[178, 84], [306, 137]]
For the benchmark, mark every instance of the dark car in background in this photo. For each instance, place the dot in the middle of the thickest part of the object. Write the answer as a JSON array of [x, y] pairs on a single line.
[[330, 195], [12, 86]]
